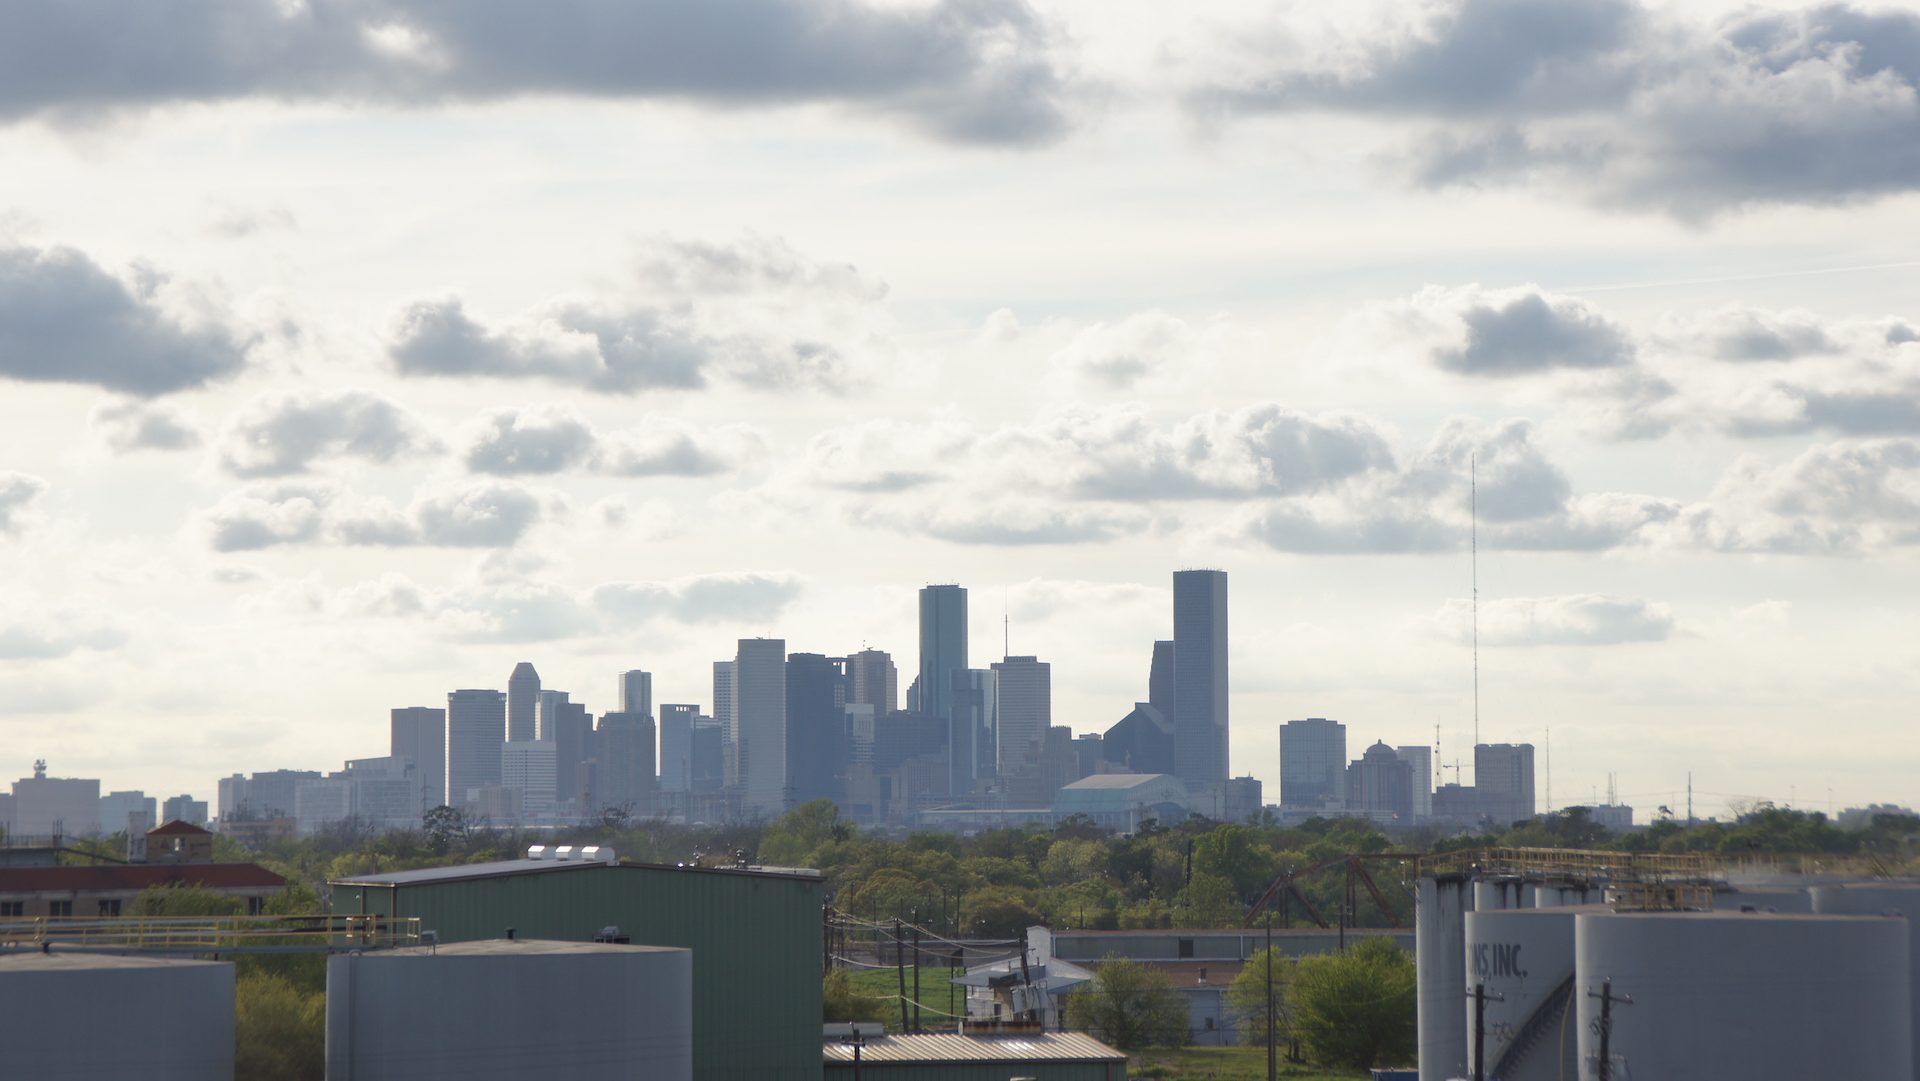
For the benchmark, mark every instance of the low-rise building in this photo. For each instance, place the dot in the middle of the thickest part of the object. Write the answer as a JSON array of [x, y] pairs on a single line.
[[1122, 801], [1035, 1056]]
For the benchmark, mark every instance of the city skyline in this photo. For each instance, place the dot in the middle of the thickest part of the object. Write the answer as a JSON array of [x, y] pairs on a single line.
[[329, 382]]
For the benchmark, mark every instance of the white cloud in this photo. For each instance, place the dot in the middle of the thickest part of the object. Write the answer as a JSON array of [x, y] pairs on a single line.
[[486, 514], [18, 493], [130, 426]]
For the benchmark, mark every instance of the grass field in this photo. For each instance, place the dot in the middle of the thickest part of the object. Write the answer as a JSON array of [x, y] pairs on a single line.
[[1220, 1064]]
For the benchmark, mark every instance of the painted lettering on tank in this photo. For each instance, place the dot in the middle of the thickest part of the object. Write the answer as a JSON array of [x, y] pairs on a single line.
[[1497, 960]]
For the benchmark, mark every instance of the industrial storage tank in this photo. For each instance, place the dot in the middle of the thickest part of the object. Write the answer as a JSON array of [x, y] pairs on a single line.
[[511, 1009], [1440, 957], [1523, 959], [1746, 996], [100, 1017], [1876, 899]]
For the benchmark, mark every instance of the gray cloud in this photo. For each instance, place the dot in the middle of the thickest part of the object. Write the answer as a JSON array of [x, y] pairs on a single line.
[[1751, 334], [65, 320], [1010, 522], [712, 598], [1118, 355], [1515, 479], [1301, 529], [480, 515], [1875, 481], [1583, 619], [964, 70], [515, 441], [1516, 334], [134, 426], [1263, 449], [1794, 408], [1630, 105], [281, 434], [18, 492], [751, 264], [550, 439], [613, 353]]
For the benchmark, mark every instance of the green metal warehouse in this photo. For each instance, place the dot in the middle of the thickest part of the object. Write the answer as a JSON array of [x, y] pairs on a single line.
[[755, 937], [1041, 1056]]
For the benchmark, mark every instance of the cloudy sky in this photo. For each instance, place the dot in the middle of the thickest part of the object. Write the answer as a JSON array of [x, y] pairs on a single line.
[[353, 350]]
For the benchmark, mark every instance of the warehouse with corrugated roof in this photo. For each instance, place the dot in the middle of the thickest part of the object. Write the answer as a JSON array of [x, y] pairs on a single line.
[[755, 934], [1041, 1056]]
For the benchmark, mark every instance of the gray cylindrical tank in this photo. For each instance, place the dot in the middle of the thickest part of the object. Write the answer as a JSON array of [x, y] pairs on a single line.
[[97, 1017], [1745, 995], [1492, 894], [1440, 954], [1524, 959], [1872, 899], [474, 1011], [1560, 896], [1764, 899]]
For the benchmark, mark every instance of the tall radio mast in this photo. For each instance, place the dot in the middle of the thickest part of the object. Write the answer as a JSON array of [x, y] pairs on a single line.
[[1473, 512]]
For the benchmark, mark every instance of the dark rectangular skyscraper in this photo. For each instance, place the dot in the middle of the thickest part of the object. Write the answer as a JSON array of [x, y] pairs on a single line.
[[816, 726], [943, 646], [676, 746], [1200, 678], [476, 727]]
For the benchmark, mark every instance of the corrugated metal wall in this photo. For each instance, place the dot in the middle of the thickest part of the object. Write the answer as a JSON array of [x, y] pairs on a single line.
[[755, 942]]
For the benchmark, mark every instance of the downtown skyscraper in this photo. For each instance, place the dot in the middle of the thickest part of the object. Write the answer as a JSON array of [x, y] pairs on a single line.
[[943, 646], [523, 699], [760, 718], [1200, 678]]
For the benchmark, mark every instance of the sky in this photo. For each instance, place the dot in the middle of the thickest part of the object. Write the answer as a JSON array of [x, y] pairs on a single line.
[[353, 350]]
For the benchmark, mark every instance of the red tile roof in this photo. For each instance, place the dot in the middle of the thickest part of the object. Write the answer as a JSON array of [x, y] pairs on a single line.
[[137, 876], [176, 828]]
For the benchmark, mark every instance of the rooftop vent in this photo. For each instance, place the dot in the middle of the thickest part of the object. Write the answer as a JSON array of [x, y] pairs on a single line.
[[564, 852]]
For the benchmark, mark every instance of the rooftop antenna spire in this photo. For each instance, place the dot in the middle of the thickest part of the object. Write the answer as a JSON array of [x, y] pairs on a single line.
[[1550, 770], [1006, 625], [1473, 519]]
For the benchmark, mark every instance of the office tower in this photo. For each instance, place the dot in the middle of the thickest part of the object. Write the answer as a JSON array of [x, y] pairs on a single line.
[[972, 731], [476, 727], [876, 681], [709, 755], [1381, 784], [636, 692], [1503, 780], [816, 737], [183, 808], [573, 748], [676, 746], [1313, 755], [1140, 742], [546, 713], [1024, 714], [1160, 681], [47, 807], [943, 646], [529, 766], [115, 807], [1421, 760], [760, 719], [729, 722], [624, 777], [263, 796], [1200, 678], [523, 696], [419, 734]]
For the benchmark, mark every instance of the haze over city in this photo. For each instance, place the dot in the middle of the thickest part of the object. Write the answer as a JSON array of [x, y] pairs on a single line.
[[346, 365]]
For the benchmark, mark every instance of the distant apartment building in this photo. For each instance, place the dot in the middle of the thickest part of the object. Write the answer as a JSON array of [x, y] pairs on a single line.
[[132, 812], [261, 797], [1380, 785], [183, 809], [46, 806], [1420, 760], [528, 766]]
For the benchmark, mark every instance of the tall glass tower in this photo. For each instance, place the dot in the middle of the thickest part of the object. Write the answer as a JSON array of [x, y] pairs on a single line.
[[943, 646], [1200, 678]]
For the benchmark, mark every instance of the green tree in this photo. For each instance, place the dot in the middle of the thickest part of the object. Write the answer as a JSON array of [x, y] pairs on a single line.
[[996, 911], [1129, 1006], [1355, 1009], [1248, 996], [842, 1000], [446, 827], [1208, 901], [180, 899], [791, 840], [1236, 854], [280, 1032]]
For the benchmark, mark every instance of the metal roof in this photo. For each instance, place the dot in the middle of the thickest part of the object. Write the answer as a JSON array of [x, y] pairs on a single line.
[[498, 868], [1113, 780], [137, 876], [947, 1048]]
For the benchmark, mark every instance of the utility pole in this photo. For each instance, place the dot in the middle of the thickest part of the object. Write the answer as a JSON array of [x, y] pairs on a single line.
[[1607, 999], [1273, 1070], [900, 967], [916, 977], [1480, 1000]]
